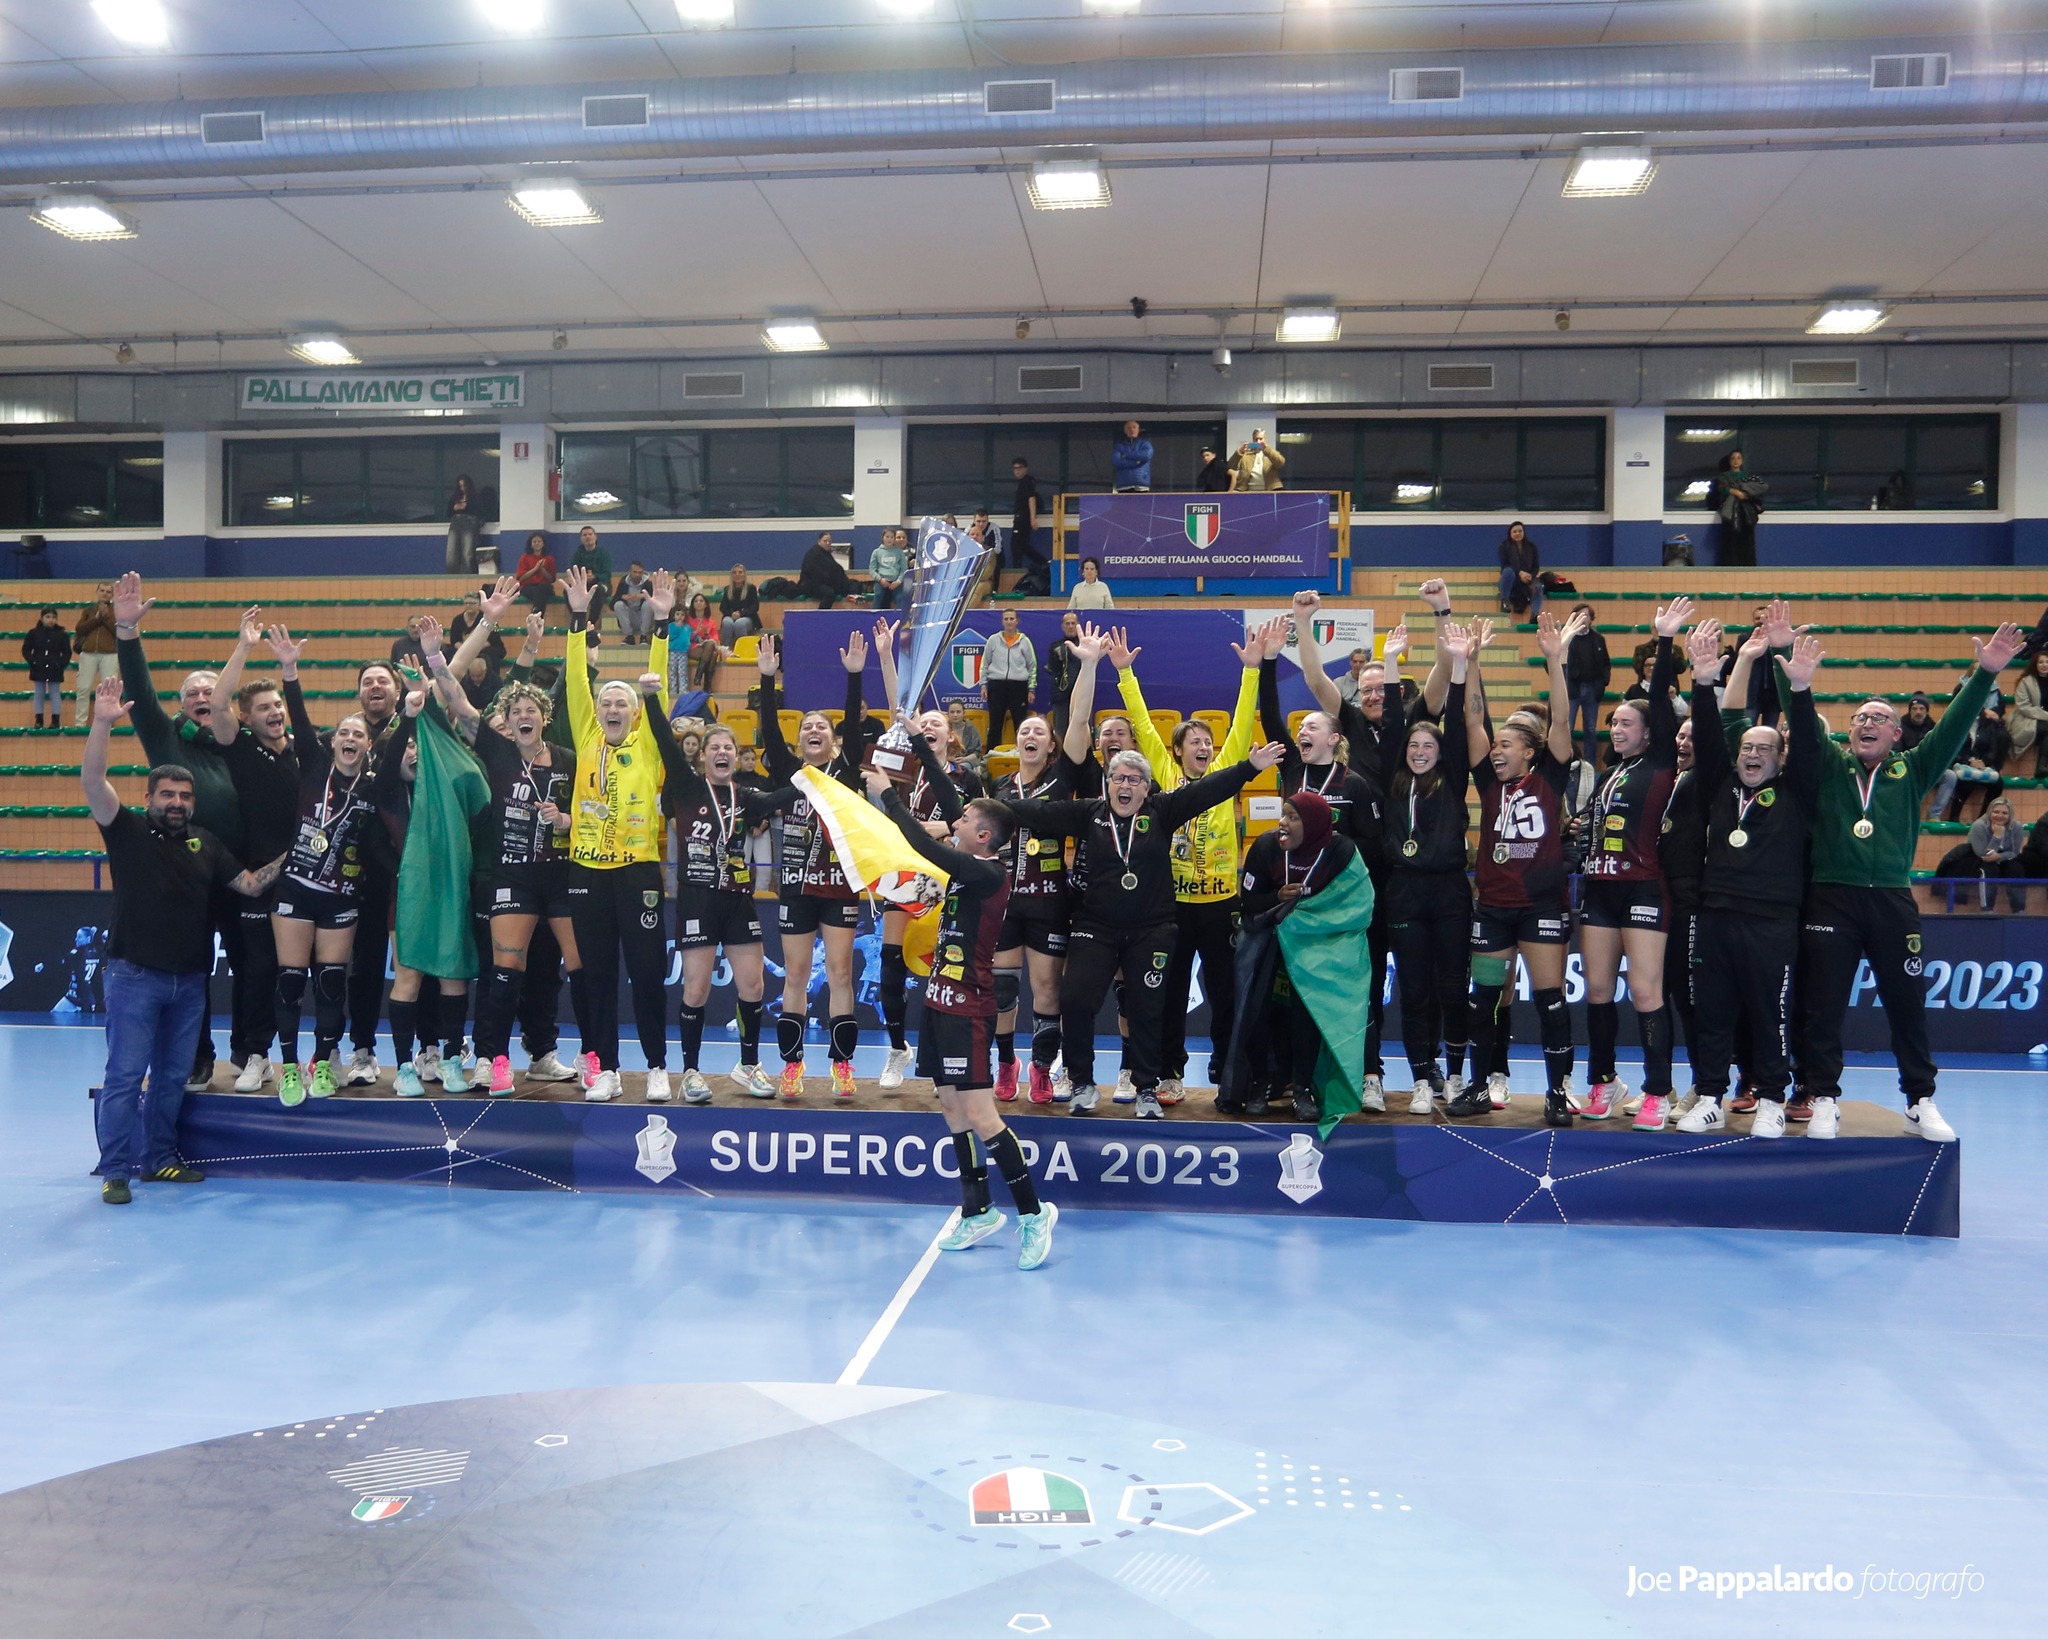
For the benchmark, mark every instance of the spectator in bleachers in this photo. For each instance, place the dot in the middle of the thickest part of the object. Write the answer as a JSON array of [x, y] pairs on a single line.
[[465, 523], [1918, 720], [466, 622], [968, 744], [408, 647], [1214, 478], [1257, 464], [1132, 461], [1587, 670], [1348, 685], [46, 646], [889, 564], [739, 607], [983, 531], [1521, 571], [1091, 591], [1977, 765], [1736, 499], [1024, 551], [703, 642], [2030, 714], [93, 643], [1063, 669], [536, 572], [1991, 852], [596, 562], [821, 578], [629, 603], [1009, 677]]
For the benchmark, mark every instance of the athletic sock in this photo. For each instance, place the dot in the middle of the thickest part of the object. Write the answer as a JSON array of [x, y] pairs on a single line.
[[750, 1032], [1045, 1038], [427, 1018], [287, 1003], [844, 1034], [1557, 1037], [973, 1176], [1006, 1047], [330, 1007], [690, 1032], [895, 975], [1603, 1028], [789, 1037], [1656, 1033], [404, 1022], [1008, 1156], [454, 1006], [495, 1009], [1485, 1023]]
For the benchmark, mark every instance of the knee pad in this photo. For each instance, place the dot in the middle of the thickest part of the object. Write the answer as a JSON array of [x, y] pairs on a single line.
[[1007, 988], [1490, 972], [1549, 1001], [330, 982], [291, 984]]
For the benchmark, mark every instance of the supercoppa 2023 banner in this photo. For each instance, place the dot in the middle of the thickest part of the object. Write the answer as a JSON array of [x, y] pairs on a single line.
[[1234, 537]]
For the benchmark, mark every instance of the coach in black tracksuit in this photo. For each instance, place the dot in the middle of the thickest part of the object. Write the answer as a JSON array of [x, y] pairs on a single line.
[[1745, 939]]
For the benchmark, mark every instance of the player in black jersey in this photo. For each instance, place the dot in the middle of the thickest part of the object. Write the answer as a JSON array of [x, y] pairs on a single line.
[[521, 849], [815, 896], [960, 1012], [1626, 910], [1522, 874], [715, 891]]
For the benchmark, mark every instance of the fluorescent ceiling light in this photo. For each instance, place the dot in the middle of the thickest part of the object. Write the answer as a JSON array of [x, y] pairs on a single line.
[[705, 13], [81, 216], [553, 204], [135, 22], [793, 334], [1068, 184], [1609, 173], [1850, 318], [330, 350], [1705, 435], [1294, 438], [1309, 324], [520, 16], [1695, 491], [277, 503]]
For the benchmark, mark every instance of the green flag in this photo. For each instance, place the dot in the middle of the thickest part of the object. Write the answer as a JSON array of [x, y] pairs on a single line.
[[433, 931], [1323, 939]]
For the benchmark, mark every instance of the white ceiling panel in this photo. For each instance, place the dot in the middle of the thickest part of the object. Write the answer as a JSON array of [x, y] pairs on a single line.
[[1175, 237]]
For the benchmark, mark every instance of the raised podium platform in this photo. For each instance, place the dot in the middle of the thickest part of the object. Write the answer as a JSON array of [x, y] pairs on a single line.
[[1506, 1168]]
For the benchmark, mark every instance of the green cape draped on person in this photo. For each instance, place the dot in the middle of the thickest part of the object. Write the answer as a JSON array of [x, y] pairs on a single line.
[[1322, 939], [433, 923]]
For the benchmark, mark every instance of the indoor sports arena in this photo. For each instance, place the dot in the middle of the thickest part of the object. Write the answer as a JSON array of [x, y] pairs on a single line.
[[1130, 819]]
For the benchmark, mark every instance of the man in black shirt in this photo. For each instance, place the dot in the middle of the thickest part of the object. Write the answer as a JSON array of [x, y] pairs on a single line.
[[958, 1032], [1024, 517], [159, 954], [1214, 478]]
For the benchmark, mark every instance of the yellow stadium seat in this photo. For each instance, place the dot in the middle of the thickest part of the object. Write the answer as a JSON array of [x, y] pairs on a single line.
[[1294, 721], [744, 722], [979, 719], [1217, 723], [1267, 779], [747, 650], [1001, 763], [1164, 723], [790, 722]]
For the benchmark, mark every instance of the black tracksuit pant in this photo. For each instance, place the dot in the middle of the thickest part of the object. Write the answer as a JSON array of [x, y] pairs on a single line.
[[1433, 966], [1009, 703], [374, 894], [255, 993], [1094, 954], [1841, 926], [540, 993], [1208, 930], [1741, 971], [1377, 944], [619, 913]]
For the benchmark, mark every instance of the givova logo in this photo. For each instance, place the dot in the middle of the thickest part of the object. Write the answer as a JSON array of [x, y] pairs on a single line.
[[1029, 1496]]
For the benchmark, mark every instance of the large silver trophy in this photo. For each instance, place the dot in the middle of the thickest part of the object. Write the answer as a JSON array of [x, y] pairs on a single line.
[[943, 573]]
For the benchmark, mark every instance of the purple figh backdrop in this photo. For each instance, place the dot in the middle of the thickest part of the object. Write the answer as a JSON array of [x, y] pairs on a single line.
[[1234, 537]]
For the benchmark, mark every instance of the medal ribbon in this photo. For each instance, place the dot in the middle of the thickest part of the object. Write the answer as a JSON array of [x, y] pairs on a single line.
[[1866, 789]]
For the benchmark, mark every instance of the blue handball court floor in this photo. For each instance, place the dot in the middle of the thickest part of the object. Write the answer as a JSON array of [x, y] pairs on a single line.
[[307, 1409]]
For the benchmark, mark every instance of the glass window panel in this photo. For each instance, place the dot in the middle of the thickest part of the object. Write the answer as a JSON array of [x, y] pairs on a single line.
[[404, 482], [1320, 454], [597, 477], [139, 486], [1089, 448], [18, 471], [261, 483], [820, 467], [743, 474], [949, 471], [1563, 466], [330, 483], [1955, 464], [668, 475], [75, 486], [1177, 453], [1039, 445], [1786, 455], [1478, 466], [1397, 465], [1693, 446], [478, 460], [1867, 457]]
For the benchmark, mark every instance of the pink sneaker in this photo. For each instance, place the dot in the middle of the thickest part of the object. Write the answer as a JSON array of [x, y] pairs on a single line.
[[588, 1070], [501, 1076], [1650, 1118], [1603, 1099], [1041, 1084], [1006, 1082]]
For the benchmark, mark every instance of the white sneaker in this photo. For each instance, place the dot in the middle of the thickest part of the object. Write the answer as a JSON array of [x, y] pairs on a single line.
[[696, 1090], [895, 1066], [1923, 1118], [427, 1061], [657, 1087], [1704, 1117], [1422, 1101], [1372, 1095], [1454, 1084], [1084, 1099], [1497, 1093], [1769, 1120], [468, 1055], [1827, 1119], [1062, 1083], [256, 1071], [1126, 1089], [363, 1069], [548, 1067], [604, 1089], [1684, 1106], [752, 1080]]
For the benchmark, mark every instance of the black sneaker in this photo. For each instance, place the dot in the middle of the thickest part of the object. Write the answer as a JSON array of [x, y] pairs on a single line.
[[175, 1174], [115, 1192], [1472, 1101], [1257, 1102], [200, 1079], [1557, 1110], [1305, 1107]]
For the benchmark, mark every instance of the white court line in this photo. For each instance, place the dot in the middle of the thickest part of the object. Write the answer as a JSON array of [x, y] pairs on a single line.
[[878, 1334]]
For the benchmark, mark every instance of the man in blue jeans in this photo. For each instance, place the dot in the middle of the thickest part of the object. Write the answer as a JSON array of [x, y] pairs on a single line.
[[159, 954]]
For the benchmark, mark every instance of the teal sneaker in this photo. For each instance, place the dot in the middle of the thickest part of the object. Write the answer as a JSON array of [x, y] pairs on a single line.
[[1037, 1235], [291, 1086], [969, 1230], [453, 1078], [407, 1083]]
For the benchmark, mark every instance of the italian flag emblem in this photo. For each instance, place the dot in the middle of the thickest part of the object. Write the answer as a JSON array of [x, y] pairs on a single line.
[[372, 1509], [1030, 1496]]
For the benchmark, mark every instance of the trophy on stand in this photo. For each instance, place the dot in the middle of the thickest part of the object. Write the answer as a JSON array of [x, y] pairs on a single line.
[[943, 573]]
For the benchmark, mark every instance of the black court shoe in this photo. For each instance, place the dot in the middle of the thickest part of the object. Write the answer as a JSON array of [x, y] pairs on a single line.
[[1474, 1100], [1257, 1100], [1557, 1110], [175, 1174], [115, 1192], [1305, 1108]]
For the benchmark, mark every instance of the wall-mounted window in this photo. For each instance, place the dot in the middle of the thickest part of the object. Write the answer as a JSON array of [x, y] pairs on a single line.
[[81, 486], [741, 472], [1452, 464], [966, 469], [1854, 463], [320, 482]]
